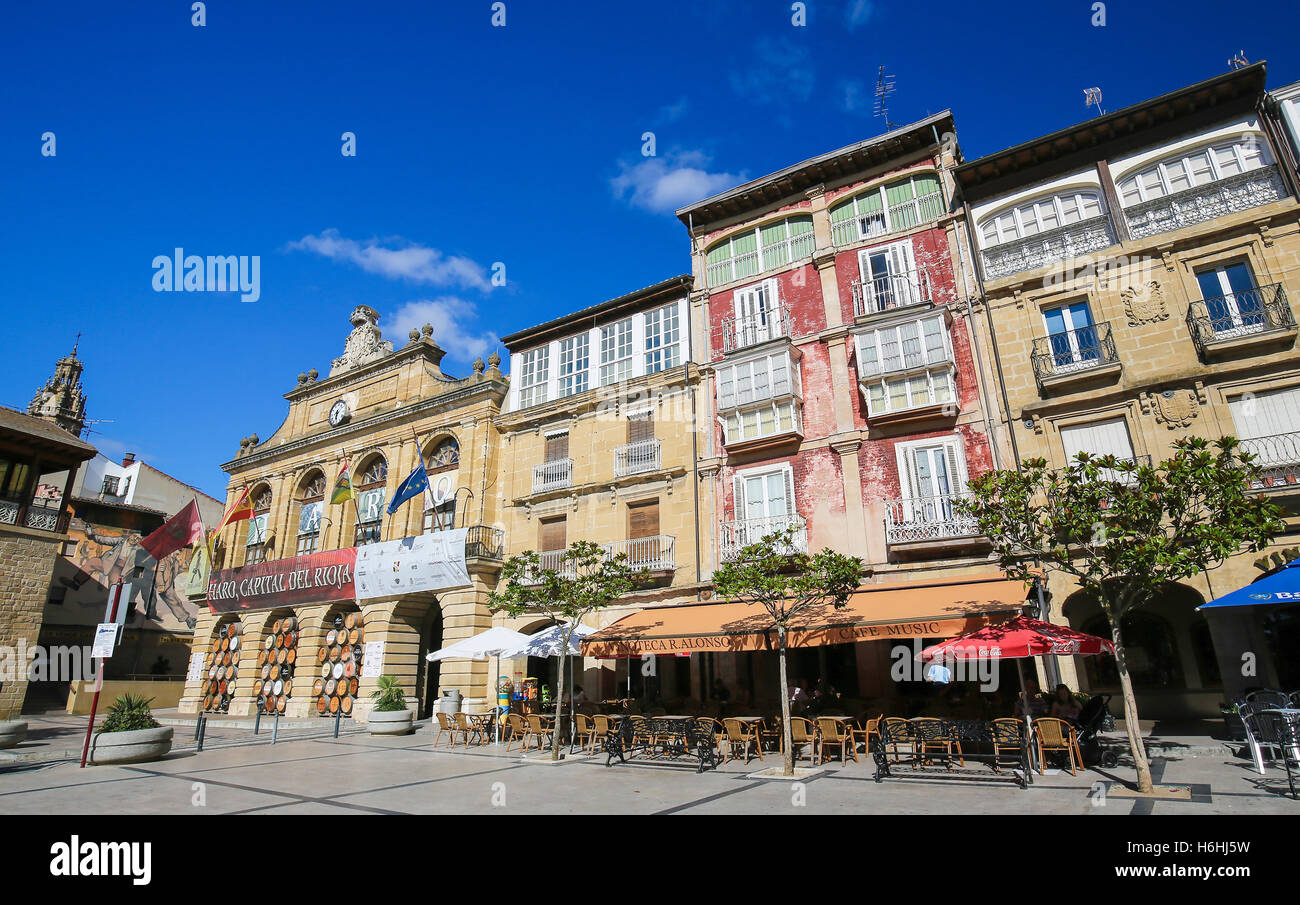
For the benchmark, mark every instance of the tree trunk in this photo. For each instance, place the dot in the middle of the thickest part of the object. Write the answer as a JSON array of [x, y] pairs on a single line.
[[559, 699], [1130, 710], [785, 705]]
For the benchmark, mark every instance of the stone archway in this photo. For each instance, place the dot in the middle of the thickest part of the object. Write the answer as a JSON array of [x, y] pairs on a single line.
[[427, 674]]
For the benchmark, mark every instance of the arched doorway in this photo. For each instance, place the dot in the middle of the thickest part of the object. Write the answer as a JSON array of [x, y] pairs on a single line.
[[427, 674]]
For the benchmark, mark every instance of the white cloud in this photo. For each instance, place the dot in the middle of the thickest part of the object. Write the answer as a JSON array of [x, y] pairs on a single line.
[[673, 112], [854, 97], [779, 73], [405, 261], [858, 13], [660, 184], [454, 323]]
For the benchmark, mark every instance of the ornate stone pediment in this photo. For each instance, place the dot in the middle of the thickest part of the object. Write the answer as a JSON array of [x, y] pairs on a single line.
[[364, 344], [1173, 408], [1145, 304]]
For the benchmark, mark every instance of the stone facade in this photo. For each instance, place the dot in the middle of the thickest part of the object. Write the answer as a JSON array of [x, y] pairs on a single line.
[[26, 561]]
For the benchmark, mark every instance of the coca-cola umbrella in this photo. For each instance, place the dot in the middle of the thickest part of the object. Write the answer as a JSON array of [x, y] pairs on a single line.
[[1016, 639]]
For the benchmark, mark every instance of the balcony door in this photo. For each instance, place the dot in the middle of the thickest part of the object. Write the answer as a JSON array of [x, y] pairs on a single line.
[[931, 476], [1268, 426], [643, 549], [758, 314], [1099, 438], [1072, 336], [1231, 299], [764, 503], [889, 277]]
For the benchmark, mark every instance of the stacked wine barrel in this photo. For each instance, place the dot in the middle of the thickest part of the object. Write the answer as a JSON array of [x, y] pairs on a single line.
[[339, 665], [276, 662], [222, 669]]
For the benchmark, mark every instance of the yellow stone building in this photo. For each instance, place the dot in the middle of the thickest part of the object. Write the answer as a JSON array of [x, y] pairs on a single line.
[[365, 418], [600, 444], [1140, 274]]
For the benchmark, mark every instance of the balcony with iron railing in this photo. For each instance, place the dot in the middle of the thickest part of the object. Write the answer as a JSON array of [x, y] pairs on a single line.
[[752, 263], [654, 554], [903, 215], [1049, 247], [40, 513], [484, 542], [1085, 352], [928, 520], [886, 292], [1279, 458], [1228, 321], [752, 329], [637, 458], [736, 535], [1202, 203], [556, 474]]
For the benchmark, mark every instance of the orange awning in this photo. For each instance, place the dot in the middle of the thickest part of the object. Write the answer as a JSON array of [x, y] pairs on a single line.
[[877, 613]]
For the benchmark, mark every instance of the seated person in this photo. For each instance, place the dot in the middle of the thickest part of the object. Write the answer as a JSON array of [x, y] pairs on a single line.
[[1064, 706], [1037, 706]]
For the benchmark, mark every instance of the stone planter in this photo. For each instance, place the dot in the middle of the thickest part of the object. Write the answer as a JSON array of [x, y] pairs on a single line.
[[393, 722], [131, 747], [12, 732]]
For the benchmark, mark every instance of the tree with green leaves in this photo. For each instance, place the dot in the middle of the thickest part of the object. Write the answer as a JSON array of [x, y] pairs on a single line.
[[585, 580], [1126, 531], [785, 582]]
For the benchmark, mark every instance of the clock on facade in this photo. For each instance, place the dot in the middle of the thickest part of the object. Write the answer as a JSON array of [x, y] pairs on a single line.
[[338, 413]]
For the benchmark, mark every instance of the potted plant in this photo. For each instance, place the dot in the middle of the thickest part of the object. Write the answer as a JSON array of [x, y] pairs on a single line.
[[130, 734], [12, 732], [390, 715]]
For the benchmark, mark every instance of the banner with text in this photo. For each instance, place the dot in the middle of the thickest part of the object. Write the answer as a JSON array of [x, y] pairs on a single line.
[[430, 562], [315, 578]]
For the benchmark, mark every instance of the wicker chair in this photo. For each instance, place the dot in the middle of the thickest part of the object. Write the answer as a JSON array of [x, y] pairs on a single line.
[[742, 734], [466, 729], [537, 729], [518, 728], [803, 733], [1051, 734], [447, 726], [838, 733], [584, 728], [602, 729], [769, 732], [869, 728]]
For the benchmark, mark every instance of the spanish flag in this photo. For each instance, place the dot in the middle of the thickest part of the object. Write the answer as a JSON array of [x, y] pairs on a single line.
[[342, 486], [242, 510]]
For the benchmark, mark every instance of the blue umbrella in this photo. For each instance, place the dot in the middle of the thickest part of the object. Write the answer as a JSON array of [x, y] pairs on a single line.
[[1283, 586]]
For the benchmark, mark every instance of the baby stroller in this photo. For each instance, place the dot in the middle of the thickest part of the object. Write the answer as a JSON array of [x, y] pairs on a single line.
[[1093, 719]]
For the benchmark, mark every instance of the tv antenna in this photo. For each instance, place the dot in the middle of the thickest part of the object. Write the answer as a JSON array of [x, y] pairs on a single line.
[[884, 88], [1092, 98], [92, 430], [1239, 61]]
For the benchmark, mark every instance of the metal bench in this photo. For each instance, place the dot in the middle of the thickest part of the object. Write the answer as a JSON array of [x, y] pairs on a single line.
[[935, 745], [658, 737]]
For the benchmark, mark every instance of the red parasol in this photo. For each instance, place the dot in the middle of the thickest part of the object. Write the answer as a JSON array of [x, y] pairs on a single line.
[[1016, 638]]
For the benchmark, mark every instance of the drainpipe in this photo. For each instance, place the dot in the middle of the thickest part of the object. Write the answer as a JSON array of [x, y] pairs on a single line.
[[695, 436]]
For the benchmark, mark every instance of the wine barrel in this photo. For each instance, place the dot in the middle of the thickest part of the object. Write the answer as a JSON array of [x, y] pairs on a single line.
[[275, 670], [279, 641], [266, 671], [290, 623], [354, 636], [261, 658], [338, 620], [322, 704], [291, 657], [234, 642], [318, 687], [216, 645], [234, 629], [330, 637], [337, 672], [276, 626], [349, 669], [350, 620], [353, 684], [270, 642], [345, 652], [361, 636], [357, 653], [330, 687], [321, 654], [346, 706], [334, 705], [278, 688], [288, 688], [225, 643], [327, 670], [270, 703], [257, 688]]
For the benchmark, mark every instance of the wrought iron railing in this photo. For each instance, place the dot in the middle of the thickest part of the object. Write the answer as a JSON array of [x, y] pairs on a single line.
[[553, 475], [892, 290], [637, 458], [1073, 351], [754, 262], [1279, 458], [928, 518], [1204, 202], [40, 514], [752, 329], [1048, 247], [484, 542], [1238, 314], [903, 215], [739, 533], [655, 553]]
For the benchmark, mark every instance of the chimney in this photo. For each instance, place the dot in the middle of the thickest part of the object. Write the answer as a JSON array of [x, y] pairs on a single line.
[[128, 460]]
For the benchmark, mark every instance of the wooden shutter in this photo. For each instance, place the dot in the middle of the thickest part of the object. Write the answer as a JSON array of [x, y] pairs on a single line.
[[640, 427], [789, 493], [557, 447], [554, 534], [643, 519], [739, 509]]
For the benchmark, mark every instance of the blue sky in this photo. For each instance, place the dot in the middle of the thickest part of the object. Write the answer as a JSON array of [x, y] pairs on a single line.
[[475, 145]]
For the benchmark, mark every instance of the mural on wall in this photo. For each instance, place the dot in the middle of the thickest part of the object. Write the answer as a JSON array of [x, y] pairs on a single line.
[[105, 555]]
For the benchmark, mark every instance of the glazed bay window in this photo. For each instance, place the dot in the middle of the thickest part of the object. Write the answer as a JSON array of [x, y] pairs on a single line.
[[756, 380], [752, 251], [534, 371], [1044, 231], [616, 352], [771, 419], [887, 209], [906, 365], [663, 337], [573, 364], [1197, 186]]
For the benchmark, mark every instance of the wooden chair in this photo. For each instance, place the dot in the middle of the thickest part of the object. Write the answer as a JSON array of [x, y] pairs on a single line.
[[518, 729], [803, 733], [445, 725], [931, 736], [1051, 734], [769, 732], [1006, 738], [466, 729], [837, 733], [742, 734], [602, 729], [583, 728], [537, 729], [902, 739]]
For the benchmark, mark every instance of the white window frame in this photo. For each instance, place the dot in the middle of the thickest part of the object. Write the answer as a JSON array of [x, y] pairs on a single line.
[[534, 371], [617, 349], [740, 476], [757, 302], [574, 364], [1111, 418], [664, 355], [884, 216], [1013, 223], [1136, 180], [732, 373], [905, 284], [791, 244], [871, 339], [731, 437], [955, 462]]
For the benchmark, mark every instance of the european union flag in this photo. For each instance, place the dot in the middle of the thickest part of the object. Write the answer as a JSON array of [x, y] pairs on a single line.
[[413, 486]]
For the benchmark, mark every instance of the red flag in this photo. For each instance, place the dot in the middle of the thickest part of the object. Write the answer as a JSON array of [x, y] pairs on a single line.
[[181, 530]]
